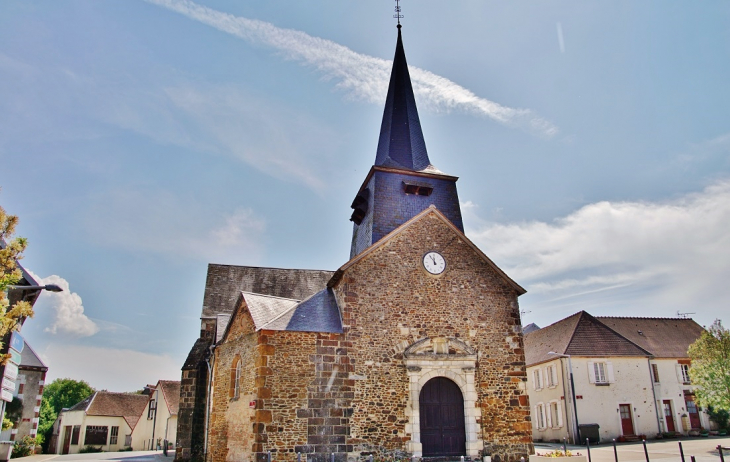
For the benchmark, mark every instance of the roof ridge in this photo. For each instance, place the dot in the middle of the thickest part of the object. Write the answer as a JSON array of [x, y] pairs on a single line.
[[274, 296], [645, 317], [299, 302], [268, 267]]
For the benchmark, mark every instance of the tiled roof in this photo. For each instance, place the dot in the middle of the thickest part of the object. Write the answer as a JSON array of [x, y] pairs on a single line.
[[171, 391], [662, 337], [126, 405], [30, 360], [578, 335], [225, 283], [318, 313], [401, 143]]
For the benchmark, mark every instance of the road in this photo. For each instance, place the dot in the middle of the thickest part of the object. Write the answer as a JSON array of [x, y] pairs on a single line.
[[704, 450], [131, 456]]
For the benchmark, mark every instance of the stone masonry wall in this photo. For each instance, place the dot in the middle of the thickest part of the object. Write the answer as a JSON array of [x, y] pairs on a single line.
[[390, 300]]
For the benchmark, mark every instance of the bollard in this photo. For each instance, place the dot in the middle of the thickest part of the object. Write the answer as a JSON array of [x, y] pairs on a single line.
[[588, 448], [646, 452], [719, 449], [462, 458], [692, 458], [269, 455], [565, 446], [681, 451], [370, 459], [615, 452], [333, 457], [299, 457]]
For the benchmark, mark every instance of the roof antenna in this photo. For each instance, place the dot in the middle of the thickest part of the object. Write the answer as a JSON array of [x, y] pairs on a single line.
[[397, 14], [683, 315]]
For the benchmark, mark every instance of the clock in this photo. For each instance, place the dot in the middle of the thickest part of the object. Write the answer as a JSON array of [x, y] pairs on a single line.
[[434, 263]]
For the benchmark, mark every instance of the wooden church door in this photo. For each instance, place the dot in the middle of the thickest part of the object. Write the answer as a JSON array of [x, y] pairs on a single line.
[[442, 419]]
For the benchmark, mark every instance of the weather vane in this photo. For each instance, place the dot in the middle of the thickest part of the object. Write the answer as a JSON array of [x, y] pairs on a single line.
[[397, 14]]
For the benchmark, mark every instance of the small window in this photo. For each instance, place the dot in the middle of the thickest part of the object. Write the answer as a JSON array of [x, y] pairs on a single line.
[[417, 189], [540, 416], [655, 372], [151, 410], [552, 379], [127, 440], [556, 414], [114, 435], [537, 377], [96, 434], [599, 369], [684, 368], [235, 390], [75, 434]]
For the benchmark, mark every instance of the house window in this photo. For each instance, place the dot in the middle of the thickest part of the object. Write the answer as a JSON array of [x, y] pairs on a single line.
[[75, 434], [128, 440], [552, 379], [684, 369], [537, 376], [655, 373], [556, 414], [114, 436], [540, 416], [599, 369], [96, 434], [151, 410]]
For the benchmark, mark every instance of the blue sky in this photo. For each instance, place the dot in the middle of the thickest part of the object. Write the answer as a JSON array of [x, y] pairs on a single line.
[[140, 141]]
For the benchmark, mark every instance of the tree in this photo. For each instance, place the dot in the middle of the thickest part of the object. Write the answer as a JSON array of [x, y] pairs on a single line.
[[710, 371], [11, 250], [59, 394]]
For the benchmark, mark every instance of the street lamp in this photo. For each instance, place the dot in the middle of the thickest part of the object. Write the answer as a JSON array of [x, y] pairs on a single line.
[[572, 390], [48, 287]]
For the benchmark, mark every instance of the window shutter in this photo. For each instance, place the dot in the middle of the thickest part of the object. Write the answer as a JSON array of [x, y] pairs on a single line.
[[591, 373], [537, 417], [560, 414], [542, 381], [678, 368], [549, 421], [534, 381], [609, 366]]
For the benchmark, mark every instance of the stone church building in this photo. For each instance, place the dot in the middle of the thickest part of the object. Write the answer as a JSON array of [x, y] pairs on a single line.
[[412, 348]]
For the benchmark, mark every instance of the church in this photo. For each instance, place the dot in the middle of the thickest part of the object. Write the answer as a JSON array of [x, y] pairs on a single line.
[[412, 348]]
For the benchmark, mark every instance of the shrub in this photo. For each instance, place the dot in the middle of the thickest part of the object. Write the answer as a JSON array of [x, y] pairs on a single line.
[[89, 448], [24, 447], [558, 453]]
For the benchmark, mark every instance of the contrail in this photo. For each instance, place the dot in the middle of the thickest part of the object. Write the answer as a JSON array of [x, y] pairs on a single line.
[[364, 77]]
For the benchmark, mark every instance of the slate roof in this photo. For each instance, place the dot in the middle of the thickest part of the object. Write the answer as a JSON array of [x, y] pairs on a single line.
[[578, 335], [105, 403], [225, 283], [264, 308], [318, 313], [171, 391], [532, 327], [662, 337], [401, 143], [197, 353], [30, 360]]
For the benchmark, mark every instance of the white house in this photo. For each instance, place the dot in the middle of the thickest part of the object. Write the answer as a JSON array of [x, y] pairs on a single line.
[[103, 420], [158, 421], [630, 377]]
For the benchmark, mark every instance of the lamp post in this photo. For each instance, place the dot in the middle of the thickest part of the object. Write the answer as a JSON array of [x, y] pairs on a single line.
[[572, 391], [48, 287]]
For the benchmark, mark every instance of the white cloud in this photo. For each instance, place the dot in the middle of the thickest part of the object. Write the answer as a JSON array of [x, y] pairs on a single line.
[[657, 257], [159, 222], [363, 77], [67, 307], [108, 368]]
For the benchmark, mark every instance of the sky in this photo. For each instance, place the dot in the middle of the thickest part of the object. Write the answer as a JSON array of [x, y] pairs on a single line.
[[142, 140]]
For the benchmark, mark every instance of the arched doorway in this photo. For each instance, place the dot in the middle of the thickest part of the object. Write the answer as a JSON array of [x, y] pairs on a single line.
[[442, 418]]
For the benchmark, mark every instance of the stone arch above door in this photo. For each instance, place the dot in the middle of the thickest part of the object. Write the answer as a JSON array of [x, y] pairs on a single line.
[[442, 357]]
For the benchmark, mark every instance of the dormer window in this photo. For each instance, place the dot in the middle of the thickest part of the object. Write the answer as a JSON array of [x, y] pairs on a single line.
[[417, 189]]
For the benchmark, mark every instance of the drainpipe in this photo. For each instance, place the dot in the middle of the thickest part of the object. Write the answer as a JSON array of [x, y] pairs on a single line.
[[154, 422], [653, 392], [209, 398]]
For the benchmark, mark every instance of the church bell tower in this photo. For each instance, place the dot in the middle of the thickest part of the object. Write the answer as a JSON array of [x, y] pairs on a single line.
[[402, 182]]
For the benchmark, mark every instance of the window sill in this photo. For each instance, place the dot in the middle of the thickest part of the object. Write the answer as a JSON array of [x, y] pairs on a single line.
[[602, 384]]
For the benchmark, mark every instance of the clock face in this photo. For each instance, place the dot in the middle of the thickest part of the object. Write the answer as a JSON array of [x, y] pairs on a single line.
[[434, 263]]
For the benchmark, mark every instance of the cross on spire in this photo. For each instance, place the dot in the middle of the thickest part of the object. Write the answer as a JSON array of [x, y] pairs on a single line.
[[397, 14]]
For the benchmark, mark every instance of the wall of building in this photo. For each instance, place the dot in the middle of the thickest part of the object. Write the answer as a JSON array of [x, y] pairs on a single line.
[[71, 419], [671, 387], [558, 423], [29, 389], [156, 425]]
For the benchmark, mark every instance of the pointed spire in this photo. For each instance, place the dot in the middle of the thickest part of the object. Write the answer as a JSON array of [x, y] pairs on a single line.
[[401, 143]]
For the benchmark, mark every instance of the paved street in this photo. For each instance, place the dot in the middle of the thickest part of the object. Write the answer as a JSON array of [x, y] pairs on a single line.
[[666, 450], [132, 456]]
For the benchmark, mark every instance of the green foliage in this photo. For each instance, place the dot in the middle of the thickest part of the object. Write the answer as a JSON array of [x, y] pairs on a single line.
[[89, 448], [59, 394], [14, 410], [10, 316], [710, 369], [23, 448], [720, 416], [7, 423]]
